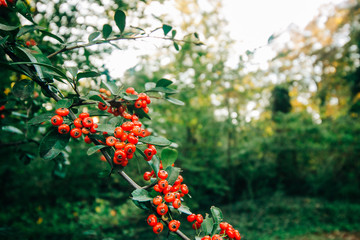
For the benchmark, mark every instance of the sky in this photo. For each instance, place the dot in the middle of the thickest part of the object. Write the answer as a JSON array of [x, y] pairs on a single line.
[[250, 23]]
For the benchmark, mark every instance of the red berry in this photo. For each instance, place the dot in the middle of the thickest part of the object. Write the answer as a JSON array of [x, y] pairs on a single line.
[[158, 228], [62, 112], [126, 115], [142, 96], [196, 225], [149, 152], [169, 197], [130, 90], [216, 237], [138, 104], [152, 220], [110, 141], [84, 115], [162, 209], [119, 156], [102, 106], [157, 200], [87, 140], [206, 238], [167, 189], [147, 176], [174, 225], [176, 203], [75, 132], [191, 217], [163, 184], [93, 128], [78, 123], [146, 110], [162, 174], [134, 118], [199, 218], [129, 148], [132, 139], [157, 188], [124, 136], [136, 130], [87, 122], [237, 235], [119, 145], [127, 126], [85, 131], [184, 189], [177, 195], [63, 129], [118, 131], [57, 120], [223, 225]]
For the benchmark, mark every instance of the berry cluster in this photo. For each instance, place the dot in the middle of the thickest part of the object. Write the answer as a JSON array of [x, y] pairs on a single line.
[[227, 232], [2, 108], [30, 42], [198, 220]]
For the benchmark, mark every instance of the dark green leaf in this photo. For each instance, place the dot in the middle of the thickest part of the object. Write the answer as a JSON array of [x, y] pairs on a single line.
[[88, 74], [94, 149], [24, 10], [64, 103], [46, 33], [37, 64], [106, 128], [141, 113], [111, 86], [130, 97], [154, 163], [3, 40], [163, 90], [196, 35], [106, 31], [142, 205], [116, 121], [11, 129], [149, 85], [28, 28], [52, 144], [163, 82], [166, 29], [173, 174], [7, 27], [120, 20], [207, 225], [157, 141], [141, 195], [174, 101], [173, 33], [23, 89], [93, 36], [176, 46], [168, 157], [41, 118], [97, 98]]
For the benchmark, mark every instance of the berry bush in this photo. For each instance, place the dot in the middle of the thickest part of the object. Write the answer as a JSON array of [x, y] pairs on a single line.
[[110, 118]]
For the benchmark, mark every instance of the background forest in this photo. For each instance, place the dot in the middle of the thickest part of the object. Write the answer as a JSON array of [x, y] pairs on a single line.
[[275, 144]]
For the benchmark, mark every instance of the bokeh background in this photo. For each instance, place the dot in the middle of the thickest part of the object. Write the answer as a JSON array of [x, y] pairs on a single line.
[[269, 132]]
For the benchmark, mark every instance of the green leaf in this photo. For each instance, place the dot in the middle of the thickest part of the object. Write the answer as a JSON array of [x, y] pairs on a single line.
[[93, 36], [106, 128], [166, 29], [111, 86], [141, 113], [173, 174], [163, 82], [207, 225], [52, 144], [97, 98], [149, 85], [154, 163], [54, 69], [168, 157], [3, 40], [12, 129], [184, 209], [28, 28], [176, 46], [106, 31], [24, 10], [8, 28], [174, 101], [196, 35], [23, 89], [216, 214], [173, 33], [94, 149], [88, 74], [120, 20], [64, 103], [46, 33], [73, 71], [41, 118], [143, 205], [140, 195], [157, 141], [130, 97], [163, 90]]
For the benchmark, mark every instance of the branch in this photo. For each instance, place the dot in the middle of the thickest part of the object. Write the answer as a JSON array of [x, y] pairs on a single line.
[[65, 49]]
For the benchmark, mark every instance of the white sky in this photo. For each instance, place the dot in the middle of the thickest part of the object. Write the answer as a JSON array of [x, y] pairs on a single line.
[[251, 23]]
